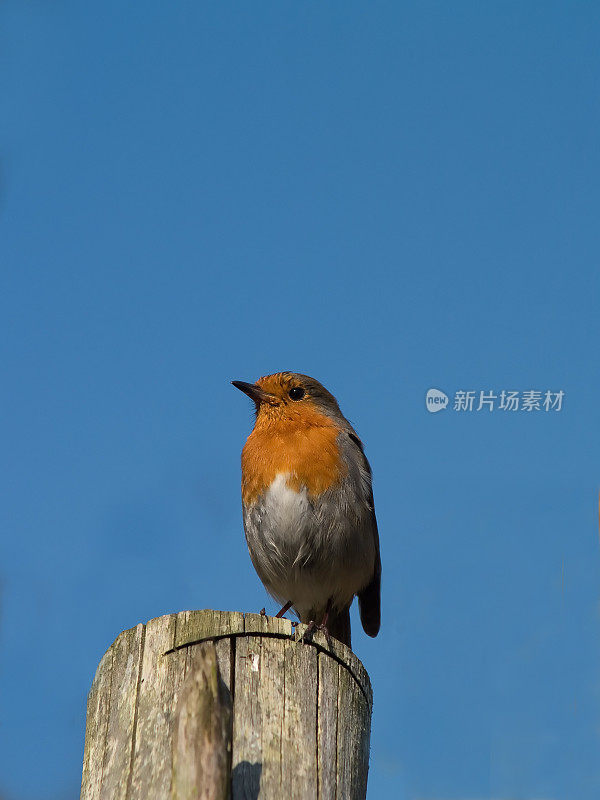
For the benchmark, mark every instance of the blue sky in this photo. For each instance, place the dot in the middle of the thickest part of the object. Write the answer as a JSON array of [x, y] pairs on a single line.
[[387, 196]]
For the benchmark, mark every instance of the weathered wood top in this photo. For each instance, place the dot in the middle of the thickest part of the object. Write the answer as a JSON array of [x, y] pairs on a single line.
[[301, 711], [192, 627]]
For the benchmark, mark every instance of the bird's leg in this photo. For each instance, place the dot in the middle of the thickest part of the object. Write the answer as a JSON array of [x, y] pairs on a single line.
[[326, 614], [323, 625], [286, 607]]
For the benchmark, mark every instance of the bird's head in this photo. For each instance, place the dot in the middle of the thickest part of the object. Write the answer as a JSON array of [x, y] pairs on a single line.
[[290, 396]]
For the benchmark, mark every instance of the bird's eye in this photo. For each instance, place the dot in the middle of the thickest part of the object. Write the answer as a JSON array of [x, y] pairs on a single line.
[[296, 393]]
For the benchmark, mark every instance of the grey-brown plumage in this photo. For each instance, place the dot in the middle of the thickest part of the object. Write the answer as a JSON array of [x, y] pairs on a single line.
[[308, 506]]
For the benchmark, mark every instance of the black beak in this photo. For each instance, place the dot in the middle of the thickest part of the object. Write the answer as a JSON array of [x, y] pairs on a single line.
[[253, 391]]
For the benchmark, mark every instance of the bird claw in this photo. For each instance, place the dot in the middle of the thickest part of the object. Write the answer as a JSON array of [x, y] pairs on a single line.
[[327, 635], [312, 628]]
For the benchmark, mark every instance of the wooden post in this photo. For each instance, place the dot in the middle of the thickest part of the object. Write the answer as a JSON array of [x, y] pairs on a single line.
[[212, 704]]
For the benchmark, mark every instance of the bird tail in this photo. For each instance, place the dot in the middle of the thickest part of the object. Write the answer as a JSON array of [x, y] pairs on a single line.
[[338, 625], [369, 604]]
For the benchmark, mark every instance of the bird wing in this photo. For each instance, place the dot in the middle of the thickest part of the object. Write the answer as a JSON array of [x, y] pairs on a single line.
[[369, 598]]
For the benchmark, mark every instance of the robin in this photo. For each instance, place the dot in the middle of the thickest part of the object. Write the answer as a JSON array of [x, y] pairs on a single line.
[[308, 505]]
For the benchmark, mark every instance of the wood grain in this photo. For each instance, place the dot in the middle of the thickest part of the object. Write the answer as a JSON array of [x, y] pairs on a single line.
[[158, 725], [201, 754]]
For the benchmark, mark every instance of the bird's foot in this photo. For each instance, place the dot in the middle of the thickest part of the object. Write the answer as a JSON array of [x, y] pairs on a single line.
[[325, 631], [309, 632], [313, 628]]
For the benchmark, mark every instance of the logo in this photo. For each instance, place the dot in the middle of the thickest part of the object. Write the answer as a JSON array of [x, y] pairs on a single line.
[[532, 400], [435, 400]]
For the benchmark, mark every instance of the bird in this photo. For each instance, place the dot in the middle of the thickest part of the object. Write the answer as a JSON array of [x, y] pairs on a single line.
[[307, 503]]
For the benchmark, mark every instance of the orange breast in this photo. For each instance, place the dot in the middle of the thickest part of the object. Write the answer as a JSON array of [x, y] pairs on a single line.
[[308, 453]]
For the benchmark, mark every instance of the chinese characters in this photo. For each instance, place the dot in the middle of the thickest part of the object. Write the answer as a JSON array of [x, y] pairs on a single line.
[[509, 401]]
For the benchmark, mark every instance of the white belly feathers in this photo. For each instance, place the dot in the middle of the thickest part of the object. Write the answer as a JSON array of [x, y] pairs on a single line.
[[287, 510], [307, 551]]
